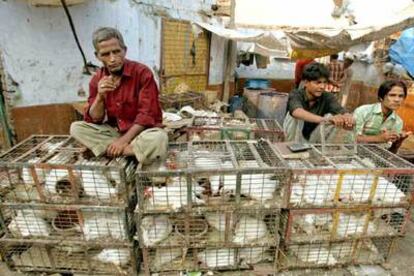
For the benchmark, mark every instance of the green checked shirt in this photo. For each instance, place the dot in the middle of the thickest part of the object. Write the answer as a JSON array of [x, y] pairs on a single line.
[[370, 121]]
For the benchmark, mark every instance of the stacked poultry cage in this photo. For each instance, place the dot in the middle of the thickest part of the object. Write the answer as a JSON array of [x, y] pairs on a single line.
[[178, 100], [345, 204], [213, 205], [62, 211], [220, 128]]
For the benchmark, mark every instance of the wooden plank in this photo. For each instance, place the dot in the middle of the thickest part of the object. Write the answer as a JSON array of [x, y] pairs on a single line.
[[51, 119]]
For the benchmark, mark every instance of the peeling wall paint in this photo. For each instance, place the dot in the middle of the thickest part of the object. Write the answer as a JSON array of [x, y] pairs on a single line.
[[40, 53]]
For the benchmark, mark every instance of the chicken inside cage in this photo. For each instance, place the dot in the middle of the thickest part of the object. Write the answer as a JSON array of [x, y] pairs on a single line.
[[179, 259], [330, 225], [208, 174], [208, 228], [319, 254], [326, 254], [81, 259], [65, 224], [98, 181], [351, 185]]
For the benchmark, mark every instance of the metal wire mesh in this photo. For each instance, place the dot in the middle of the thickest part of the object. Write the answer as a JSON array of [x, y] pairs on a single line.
[[313, 225], [69, 258], [220, 228], [330, 254], [220, 128], [340, 177], [179, 100], [48, 222], [209, 259], [207, 173], [55, 169]]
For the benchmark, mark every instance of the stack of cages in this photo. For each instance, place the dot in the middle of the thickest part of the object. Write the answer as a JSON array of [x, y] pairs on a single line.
[[346, 204], [212, 206], [63, 211], [220, 128]]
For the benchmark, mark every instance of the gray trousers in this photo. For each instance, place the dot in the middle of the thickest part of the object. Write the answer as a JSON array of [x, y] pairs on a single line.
[[149, 146]]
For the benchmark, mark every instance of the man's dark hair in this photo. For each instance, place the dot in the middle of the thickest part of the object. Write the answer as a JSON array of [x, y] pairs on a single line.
[[315, 71], [386, 87], [334, 56]]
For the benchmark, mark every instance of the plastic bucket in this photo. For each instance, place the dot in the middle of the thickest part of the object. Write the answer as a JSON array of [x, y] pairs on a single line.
[[272, 105]]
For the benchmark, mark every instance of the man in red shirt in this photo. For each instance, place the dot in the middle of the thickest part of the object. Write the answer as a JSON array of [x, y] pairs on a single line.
[[123, 115]]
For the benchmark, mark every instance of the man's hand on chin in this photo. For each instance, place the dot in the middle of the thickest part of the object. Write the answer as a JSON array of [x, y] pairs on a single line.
[[116, 148]]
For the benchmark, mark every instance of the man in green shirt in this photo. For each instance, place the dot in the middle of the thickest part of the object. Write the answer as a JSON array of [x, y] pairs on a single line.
[[379, 123], [311, 105]]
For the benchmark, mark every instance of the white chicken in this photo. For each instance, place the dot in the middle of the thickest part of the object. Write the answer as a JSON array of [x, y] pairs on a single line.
[[387, 193], [253, 255], [257, 186], [103, 225], [173, 196], [313, 253], [155, 229], [217, 220], [27, 174], [350, 225], [115, 256], [96, 184], [249, 229], [28, 224], [216, 258]]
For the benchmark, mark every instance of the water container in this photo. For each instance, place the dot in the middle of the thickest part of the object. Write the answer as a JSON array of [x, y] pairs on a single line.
[[252, 100], [272, 105], [235, 103]]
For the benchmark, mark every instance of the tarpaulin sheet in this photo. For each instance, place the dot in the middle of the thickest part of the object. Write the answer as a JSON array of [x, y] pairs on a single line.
[[297, 41], [402, 51]]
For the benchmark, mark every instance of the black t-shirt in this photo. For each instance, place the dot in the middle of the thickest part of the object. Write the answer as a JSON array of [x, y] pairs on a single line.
[[326, 103]]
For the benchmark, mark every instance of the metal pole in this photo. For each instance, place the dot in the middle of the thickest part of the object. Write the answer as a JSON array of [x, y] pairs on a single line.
[[231, 56]]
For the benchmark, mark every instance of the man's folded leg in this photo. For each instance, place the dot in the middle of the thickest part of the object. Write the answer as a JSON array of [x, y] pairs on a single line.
[[95, 137]]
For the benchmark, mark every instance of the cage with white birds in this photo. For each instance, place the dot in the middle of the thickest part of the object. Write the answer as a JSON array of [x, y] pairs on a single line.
[[52, 222], [318, 225], [213, 259], [56, 169], [331, 254], [213, 174], [224, 228], [349, 176], [67, 257]]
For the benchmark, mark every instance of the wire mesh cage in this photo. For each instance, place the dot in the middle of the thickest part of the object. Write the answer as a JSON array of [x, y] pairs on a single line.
[[70, 258], [49, 222], [317, 225], [220, 228], [331, 254], [220, 128], [209, 259], [213, 173], [349, 176], [55, 169], [179, 100]]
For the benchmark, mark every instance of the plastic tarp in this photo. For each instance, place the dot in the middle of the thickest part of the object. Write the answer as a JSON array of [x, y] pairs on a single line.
[[297, 41], [402, 51]]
